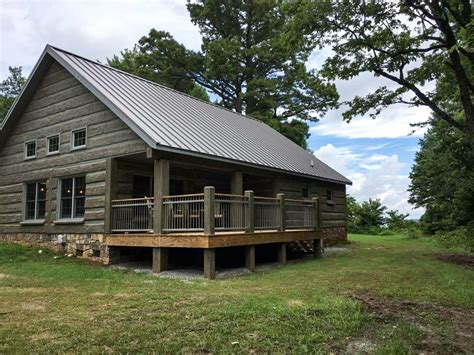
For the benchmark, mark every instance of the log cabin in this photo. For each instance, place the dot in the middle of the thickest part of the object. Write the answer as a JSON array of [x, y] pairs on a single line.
[[105, 165]]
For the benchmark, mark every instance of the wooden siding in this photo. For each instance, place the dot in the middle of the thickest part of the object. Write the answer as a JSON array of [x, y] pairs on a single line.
[[60, 105]]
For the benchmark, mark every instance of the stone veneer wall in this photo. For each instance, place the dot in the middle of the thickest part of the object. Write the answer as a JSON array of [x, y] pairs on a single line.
[[90, 246]]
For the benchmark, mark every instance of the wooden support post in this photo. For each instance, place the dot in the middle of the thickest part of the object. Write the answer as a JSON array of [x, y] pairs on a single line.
[[110, 191], [250, 212], [320, 215], [281, 200], [209, 210], [160, 260], [236, 183], [316, 212], [318, 248], [282, 253], [161, 188], [210, 263], [250, 257]]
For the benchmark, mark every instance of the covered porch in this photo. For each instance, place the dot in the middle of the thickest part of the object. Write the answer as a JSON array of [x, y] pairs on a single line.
[[228, 213]]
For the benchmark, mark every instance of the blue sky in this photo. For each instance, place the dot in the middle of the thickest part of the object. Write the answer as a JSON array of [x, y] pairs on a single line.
[[375, 154]]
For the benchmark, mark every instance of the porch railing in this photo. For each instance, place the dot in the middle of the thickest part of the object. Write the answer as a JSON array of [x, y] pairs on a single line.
[[209, 212], [132, 215]]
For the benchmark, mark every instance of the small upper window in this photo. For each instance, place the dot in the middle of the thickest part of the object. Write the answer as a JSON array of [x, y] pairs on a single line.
[[30, 150], [79, 138], [328, 195], [53, 145]]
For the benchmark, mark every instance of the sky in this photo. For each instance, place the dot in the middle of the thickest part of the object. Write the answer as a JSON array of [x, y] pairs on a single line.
[[376, 155]]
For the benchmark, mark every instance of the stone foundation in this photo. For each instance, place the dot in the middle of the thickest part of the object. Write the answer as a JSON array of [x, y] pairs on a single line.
[[334, 235], [90, 246]]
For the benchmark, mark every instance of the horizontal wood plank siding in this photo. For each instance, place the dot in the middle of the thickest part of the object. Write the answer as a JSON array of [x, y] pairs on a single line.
[[60, 105]]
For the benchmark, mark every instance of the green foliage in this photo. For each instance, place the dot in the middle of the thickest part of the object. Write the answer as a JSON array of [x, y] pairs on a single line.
[[458, 239], [396, 221], [441, 179], [246, 62], [10, 88], [160, 58], [408, 42], [366, 217]]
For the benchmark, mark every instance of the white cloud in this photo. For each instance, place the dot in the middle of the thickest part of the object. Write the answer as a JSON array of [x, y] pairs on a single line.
[[94, 29], [394, 122], [373, 176]]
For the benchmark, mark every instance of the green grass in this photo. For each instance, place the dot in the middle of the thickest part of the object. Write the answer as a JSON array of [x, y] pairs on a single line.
[[68, 305]]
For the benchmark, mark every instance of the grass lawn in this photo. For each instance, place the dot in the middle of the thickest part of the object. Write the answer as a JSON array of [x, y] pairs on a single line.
[[386, 294]]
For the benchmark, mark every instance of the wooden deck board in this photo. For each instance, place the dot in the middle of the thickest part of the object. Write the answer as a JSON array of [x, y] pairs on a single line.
[[218, 240]]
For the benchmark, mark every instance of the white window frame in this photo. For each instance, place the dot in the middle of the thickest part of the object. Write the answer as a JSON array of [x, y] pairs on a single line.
[[73, 193], [47, 144], [25, 201], [26, 157], [73, 147]]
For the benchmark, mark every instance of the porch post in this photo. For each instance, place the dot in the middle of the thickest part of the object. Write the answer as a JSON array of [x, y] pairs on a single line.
[[250, 212], [282, 253], [318, 248], [161, 188], [209, 210], [160, 260], [236, 183], [110, 191], [250, 257], [281, 200], [210, 263], [316, 209]]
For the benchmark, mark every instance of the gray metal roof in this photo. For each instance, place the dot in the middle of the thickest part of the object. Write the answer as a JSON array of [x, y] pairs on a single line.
[[170, 120]]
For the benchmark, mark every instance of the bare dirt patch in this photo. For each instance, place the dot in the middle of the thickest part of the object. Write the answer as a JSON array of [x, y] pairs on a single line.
[[460, 319], [464, 260], [33, 307]]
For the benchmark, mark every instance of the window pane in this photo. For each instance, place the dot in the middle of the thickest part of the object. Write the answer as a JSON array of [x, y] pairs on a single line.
[[30, 210], [31, 192], [41, 209], [31, 149], [41, 191], [66, 208], [80, 188], [79, 206], [79, 138], [66, 188], [53, 144], [329, 195]]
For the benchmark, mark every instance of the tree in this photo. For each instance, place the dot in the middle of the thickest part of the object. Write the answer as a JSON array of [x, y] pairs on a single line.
[[396, 221], [410, 43], [251, 67], [370, 214], [245, 62], [160, 58], [441, 179], [10, 88]]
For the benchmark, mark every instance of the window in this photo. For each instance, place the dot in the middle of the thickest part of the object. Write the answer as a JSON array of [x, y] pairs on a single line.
[[30, 150], [52, 145], [305, 192], [73, 197], [35, 207], [329, 196], [79, 139]]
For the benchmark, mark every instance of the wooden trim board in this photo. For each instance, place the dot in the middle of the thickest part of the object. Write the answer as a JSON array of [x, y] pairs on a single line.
[[195, 240]]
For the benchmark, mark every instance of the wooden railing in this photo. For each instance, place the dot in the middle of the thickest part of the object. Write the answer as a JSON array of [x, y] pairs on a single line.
[[209, 212]]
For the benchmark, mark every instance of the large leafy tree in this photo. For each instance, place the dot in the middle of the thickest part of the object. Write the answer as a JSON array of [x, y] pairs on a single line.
[[410, 43], [10, 88], [160, 58], [245, 62], [442, 180]]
